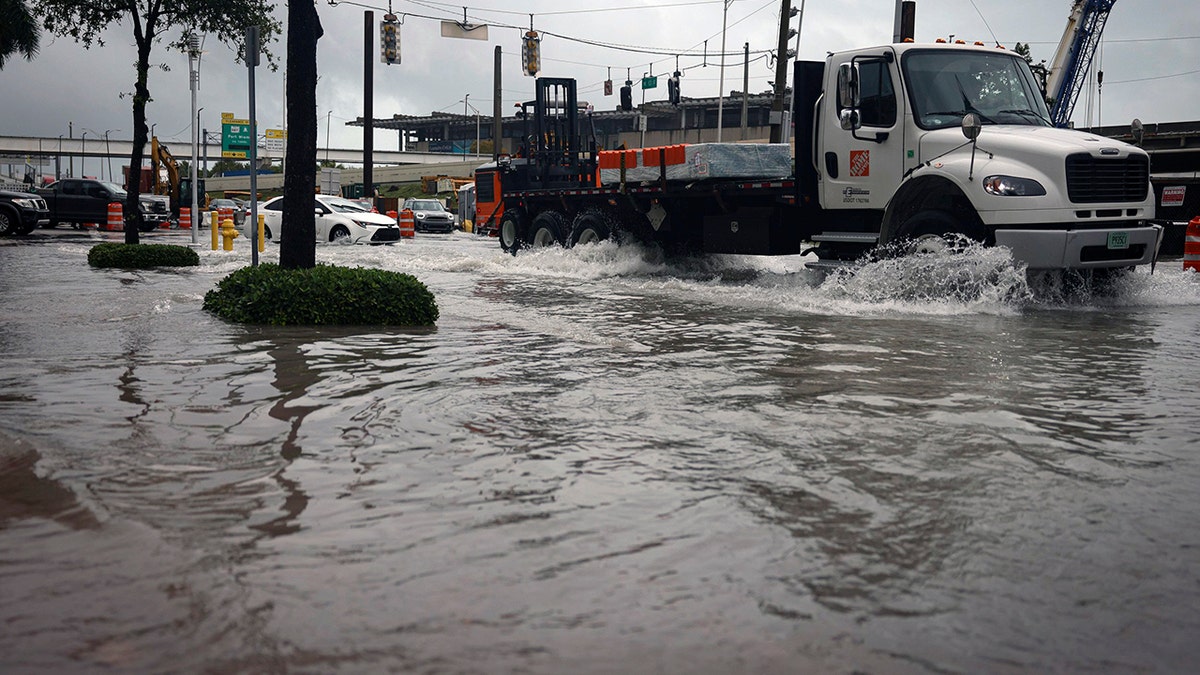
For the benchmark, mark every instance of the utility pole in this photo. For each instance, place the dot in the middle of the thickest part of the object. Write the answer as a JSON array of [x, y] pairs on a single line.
[[721, 93], [368, 107], [746, 91], [781, 64], [497, 110]]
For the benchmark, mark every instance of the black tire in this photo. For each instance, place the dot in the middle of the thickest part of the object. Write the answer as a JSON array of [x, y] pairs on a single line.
[[549, 228], [513, 230], [592, 226], [9, 222], [339, 235], [935, 231], [25, 228]]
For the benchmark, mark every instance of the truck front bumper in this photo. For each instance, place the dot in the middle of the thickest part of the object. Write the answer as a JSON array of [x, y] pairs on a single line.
[[1082, 249]]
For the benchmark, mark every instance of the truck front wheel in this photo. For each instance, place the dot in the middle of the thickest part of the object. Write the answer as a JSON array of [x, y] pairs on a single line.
[[937, 231]]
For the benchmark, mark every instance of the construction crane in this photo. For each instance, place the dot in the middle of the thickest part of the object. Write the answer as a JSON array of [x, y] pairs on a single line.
[[1068, 71]]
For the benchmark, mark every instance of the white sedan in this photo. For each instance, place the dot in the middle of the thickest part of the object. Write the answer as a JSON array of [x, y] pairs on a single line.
[[339, 220]]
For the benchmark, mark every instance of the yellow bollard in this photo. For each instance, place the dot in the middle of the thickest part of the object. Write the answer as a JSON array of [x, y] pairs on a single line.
[[214, 228], [468, 226], [261, 232], [228, 234]]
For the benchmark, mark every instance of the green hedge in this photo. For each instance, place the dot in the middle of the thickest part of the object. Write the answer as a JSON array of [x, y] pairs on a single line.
[[324, 295], [141, 256]]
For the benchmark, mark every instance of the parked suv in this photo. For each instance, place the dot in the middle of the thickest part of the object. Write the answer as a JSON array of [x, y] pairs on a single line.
[[21, 212], [429, 215]]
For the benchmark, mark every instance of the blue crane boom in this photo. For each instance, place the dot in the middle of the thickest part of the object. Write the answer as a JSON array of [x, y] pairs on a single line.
[[1068, 71]]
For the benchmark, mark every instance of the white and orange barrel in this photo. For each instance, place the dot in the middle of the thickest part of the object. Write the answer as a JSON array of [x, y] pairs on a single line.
[[1191, 245], [408, 224], [116, 218], [185, 218]]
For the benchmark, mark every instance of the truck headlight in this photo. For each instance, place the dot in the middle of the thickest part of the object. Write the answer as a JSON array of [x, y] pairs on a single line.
[[1011, 186], [26, 203]]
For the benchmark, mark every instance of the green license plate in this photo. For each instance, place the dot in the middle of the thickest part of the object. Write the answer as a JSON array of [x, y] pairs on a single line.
[[1118, 240]]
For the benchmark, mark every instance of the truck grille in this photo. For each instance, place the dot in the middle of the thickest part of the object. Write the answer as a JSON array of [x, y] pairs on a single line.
[[1092, 180]]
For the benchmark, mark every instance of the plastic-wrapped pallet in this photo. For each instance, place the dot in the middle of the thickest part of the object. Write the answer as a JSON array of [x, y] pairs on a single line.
[[701, 161]]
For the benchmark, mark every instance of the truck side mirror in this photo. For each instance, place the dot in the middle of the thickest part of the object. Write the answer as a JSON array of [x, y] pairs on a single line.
[[971, 126], [848, 88], [1138, 130], [850, 120]]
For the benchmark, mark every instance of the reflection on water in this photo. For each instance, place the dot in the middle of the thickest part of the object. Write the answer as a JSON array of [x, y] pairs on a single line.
[[601, 460]]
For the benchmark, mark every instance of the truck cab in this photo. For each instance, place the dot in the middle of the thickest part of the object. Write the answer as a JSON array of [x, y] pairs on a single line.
[[915, 142]]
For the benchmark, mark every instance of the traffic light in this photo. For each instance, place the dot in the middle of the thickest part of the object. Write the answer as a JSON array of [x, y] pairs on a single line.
[[389, 42], [531, 58], [673, 88], [627, 95]]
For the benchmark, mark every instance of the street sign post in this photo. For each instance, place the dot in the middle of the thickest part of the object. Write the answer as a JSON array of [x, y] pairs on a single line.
[[236, 137]]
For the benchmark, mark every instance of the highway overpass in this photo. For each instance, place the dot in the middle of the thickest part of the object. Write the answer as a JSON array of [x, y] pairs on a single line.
[[62, 150]]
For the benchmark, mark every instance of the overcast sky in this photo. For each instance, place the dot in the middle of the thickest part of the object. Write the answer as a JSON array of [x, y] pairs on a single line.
[[1150, 58]]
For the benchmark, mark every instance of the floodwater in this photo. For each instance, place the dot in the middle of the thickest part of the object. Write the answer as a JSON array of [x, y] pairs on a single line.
[[600, 461]]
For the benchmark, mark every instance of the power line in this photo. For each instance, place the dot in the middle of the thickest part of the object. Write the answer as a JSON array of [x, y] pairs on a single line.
[[433, 5], [1160, 77]]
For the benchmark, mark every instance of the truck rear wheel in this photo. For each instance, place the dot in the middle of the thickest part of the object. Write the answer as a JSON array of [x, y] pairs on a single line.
[[8, 223], [592, 226], [512, 230], [549, 228]]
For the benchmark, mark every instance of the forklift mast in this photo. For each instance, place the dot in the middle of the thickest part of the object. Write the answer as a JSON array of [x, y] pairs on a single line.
[[558, 155]]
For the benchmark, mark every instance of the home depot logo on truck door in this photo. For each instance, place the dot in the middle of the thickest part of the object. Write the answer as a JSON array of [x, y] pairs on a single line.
[[860, 163]]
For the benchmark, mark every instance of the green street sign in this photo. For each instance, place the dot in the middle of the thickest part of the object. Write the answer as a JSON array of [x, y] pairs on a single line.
[[650, 82], [235, 137]]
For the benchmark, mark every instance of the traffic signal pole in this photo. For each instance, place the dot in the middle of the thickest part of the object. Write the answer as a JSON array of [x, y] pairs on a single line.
[[368, 107]]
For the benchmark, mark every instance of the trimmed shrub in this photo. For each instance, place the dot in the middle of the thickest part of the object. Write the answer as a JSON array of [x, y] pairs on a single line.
[[141, 256], [325, 295]]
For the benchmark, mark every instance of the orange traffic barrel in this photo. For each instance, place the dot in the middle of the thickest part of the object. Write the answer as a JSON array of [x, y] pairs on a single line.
[[408, 224], [185, 218], [116, 220], [1191, 246], [393, 215]]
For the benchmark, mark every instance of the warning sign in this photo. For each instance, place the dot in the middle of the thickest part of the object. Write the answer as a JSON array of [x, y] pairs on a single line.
[[1173, 196], [860, 163]]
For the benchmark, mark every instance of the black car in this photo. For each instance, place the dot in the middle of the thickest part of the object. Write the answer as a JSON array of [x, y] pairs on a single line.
[[22, 212]]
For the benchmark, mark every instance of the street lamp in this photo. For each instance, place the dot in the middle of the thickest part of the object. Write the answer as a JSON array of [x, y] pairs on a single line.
[[327, 116], [721, 93], [107, 151], [468, 105], [58, 160], [82, 152]]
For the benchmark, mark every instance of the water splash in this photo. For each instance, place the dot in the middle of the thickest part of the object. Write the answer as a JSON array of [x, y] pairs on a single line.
[[967, 277]]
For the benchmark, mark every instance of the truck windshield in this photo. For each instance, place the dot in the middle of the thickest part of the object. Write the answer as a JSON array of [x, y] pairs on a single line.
[[944, 85], [114, 188]]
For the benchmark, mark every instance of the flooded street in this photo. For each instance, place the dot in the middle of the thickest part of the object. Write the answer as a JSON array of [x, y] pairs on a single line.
[[600, 462]]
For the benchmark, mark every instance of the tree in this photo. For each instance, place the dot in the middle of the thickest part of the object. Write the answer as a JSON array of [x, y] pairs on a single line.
[[298, 250], [86, 21], [18, 31]]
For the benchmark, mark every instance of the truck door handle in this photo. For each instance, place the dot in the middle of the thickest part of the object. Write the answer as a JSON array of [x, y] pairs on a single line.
[[831, 165]]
